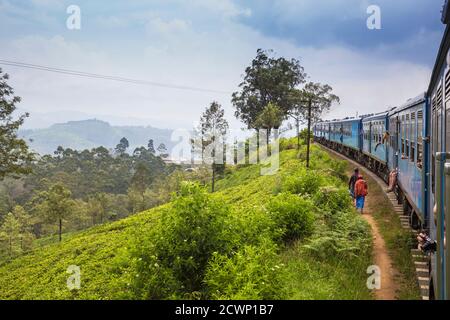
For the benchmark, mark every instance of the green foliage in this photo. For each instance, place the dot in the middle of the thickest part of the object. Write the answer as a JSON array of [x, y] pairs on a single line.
[[15, 157], [252, 273], [293, 215], [288, 144], [54, 205], [122, 146], [332, 200], [267, 79], [271, 117], [348, 237], [178, 250], [136, 257], [304, 182]]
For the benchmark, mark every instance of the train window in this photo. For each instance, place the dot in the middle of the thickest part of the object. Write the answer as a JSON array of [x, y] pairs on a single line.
[[420, 139], [403, 136], [439, 130], [407, 135]]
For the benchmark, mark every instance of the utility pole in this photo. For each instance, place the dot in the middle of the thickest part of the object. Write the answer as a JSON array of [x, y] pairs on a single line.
[[308, 143]]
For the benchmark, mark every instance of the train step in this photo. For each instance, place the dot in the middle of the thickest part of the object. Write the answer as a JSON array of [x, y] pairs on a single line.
[[424, 290], [420, 257], [421, 264]]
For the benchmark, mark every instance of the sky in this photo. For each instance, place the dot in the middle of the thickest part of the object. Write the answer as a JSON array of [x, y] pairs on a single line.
[[207, 44]]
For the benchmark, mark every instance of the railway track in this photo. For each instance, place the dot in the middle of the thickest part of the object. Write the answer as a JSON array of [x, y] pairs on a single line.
[[421, 261]]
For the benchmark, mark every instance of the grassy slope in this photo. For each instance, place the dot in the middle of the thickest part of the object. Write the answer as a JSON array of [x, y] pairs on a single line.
[[42, 273], [398, 241]]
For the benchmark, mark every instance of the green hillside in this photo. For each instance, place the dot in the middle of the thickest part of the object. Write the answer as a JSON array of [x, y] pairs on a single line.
[[293, 235]]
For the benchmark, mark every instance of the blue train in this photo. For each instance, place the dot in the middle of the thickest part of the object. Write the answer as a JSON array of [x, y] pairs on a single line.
[[414, 140]]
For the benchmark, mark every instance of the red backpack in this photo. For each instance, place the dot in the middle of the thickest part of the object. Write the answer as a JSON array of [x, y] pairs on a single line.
[[361, 188]]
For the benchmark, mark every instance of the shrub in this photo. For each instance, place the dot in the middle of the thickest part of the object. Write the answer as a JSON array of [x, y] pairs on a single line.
[[291, 214], [332, 199], [252, 273], [348, 237], [304, 182], [172, 261], [288, 143]]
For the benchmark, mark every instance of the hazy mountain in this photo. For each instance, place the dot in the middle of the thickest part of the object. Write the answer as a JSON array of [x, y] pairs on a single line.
[[87, 134]]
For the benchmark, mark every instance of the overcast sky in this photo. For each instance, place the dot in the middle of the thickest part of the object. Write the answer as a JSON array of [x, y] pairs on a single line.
[[207, 44]]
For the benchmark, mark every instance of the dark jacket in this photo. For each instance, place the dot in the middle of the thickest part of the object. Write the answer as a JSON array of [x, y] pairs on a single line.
[[351, 183]]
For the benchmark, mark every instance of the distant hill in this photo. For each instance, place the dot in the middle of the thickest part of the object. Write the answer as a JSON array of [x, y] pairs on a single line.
[[88, 134]]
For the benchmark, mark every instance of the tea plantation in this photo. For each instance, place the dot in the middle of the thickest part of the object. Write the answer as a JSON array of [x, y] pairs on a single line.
[[293, 235]]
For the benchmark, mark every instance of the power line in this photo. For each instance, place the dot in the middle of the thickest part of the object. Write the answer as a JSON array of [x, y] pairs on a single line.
[[105, 77]]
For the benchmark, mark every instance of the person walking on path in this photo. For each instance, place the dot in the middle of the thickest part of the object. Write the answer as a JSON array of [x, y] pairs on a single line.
[[361, 192], [352, 182]]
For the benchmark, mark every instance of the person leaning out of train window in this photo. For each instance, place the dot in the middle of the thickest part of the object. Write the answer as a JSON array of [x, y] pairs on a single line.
[[352, 181], [384, 140], [361, 192]]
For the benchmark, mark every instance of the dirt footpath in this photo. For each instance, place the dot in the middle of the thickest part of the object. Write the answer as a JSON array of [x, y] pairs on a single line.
[[382, 259]]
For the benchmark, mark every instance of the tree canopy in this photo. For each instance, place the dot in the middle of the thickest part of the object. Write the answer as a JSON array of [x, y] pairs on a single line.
[[14, 154], [267, 80]]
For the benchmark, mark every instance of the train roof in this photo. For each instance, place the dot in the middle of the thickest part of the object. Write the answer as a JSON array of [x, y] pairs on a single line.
[[410, 103], [339, 121], [377, 116]]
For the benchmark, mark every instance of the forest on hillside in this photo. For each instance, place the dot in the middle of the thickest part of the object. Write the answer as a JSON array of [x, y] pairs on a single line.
[[73, 190]]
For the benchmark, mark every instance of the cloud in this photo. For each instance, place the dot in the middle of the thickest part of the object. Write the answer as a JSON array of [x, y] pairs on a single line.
[[208, 46]]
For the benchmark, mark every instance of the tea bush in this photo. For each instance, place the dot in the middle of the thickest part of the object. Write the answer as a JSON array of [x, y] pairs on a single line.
[[174, 257], [292, 214], [304, 182], [332, 200], [252, 273], [226, 245]]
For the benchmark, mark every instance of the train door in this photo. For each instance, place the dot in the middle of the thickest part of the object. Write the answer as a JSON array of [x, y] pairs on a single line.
[[439, 158], [397, 141], [446, 198], [385, 139]]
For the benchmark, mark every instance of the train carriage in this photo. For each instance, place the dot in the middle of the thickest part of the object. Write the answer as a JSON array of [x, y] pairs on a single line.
[[351, 137], [406, 154], [375, 153], [438, 96], [413, 139]]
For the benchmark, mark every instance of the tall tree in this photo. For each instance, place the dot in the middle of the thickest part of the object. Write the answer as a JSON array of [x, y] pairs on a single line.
[[315, 95], [25, 224], [122, 147], [151, 146], [142, 178], [55, 205], [10, 231], [321, 97], [15, 157], [268, 79], [162, 149], [214, 127]]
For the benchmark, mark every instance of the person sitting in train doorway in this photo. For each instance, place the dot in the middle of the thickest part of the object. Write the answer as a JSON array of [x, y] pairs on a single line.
[[361, 192], [392, 180], [351, 183]]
